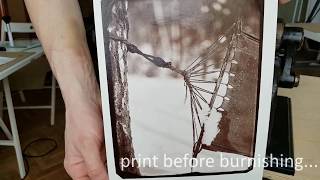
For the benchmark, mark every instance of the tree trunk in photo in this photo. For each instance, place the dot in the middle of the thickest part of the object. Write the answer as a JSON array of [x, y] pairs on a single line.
[[115, 21]]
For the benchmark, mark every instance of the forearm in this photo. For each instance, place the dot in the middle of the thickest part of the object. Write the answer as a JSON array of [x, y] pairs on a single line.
[[60, 28]]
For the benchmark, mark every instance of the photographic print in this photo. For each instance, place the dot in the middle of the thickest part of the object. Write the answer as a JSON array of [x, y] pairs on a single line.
[[183, 82]]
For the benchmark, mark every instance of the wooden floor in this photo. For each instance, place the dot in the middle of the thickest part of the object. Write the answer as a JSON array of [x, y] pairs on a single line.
[[34, 124]]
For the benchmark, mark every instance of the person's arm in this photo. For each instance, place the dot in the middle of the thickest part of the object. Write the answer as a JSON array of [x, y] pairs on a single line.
[[60, 28]]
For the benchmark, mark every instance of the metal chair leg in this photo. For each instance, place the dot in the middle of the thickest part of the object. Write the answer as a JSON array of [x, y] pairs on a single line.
[[14, 129], [1, 104], [22, 97], [5, 129], [2, 124]]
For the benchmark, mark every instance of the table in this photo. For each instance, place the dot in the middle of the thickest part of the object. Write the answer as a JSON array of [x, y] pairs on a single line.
[[25, 52]]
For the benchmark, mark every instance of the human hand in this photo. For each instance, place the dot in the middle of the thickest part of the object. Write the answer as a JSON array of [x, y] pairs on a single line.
[[84, 143]]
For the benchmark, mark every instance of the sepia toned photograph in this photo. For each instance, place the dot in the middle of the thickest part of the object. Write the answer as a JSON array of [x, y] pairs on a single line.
[[183, 81]]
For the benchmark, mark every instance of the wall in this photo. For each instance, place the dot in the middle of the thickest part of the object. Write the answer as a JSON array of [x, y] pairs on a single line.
[[17, 10], [309, 9], [293, 11]]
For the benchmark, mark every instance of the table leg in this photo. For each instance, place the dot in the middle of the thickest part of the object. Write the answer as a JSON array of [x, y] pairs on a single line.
[[2, 124], [14, 129], [5, 129], [53, 100]]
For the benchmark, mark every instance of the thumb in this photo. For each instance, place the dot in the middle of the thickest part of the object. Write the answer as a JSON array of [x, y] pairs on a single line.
[[94, 161]]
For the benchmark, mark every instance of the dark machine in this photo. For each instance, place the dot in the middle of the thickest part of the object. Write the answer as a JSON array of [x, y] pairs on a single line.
[[295, 56]]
